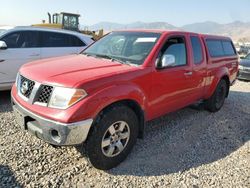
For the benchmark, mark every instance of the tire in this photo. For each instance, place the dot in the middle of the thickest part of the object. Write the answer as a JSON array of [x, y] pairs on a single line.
[[101, 143], [216, 101]]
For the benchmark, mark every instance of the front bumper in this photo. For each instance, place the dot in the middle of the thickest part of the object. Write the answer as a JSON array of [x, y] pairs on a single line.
[[50, 131], [244, 75]]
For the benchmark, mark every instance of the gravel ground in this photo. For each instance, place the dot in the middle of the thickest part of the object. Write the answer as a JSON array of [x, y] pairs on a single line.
[[188, 148]]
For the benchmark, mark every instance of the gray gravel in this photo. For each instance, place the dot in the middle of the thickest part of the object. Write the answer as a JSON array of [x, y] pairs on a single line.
[[188, 148]]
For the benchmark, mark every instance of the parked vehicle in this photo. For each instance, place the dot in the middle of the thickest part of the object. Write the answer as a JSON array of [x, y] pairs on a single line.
[[23, 44], [69, 21], [244, 68], [243, 50], [105, 95]]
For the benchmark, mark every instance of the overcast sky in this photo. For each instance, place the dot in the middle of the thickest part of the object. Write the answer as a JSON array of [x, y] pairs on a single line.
[[176, 12]]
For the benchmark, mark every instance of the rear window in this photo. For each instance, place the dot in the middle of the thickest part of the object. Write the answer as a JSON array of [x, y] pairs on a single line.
[[228, 48], [215, 48], [218, 48], [53, 39], [75, 41]]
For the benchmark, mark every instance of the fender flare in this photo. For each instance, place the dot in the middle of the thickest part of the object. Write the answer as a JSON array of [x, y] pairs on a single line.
[[223, 72], [124, 93], [118, 93]]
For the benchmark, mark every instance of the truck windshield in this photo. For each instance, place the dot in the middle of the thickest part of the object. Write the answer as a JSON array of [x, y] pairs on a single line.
[[125, 47]]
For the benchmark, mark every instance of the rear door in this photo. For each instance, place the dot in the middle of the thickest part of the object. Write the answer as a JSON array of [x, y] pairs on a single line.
[[56, 44], [22, 47], [199, 66]]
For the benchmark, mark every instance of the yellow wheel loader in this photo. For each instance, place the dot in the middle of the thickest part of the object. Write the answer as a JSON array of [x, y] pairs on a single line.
[[68, 21]]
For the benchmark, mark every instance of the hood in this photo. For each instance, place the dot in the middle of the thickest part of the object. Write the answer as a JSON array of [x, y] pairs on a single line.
[[245, 62], [71, 71]]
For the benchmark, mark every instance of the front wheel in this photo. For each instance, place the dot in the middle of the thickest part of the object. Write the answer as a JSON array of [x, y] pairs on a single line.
[[113, 137], [216, 101]]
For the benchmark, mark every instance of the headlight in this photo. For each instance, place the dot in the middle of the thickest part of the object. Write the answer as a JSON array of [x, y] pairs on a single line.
[[240, 67], [63, 98]]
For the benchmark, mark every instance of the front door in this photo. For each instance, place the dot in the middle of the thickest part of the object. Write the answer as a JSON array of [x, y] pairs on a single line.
[[22, 47], [171, 85]]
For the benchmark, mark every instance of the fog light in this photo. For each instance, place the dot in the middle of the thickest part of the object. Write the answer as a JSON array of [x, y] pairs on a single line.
[[55, 136]]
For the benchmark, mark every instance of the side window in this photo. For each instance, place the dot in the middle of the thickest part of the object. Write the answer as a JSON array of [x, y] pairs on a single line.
[[11, 39], [53, 39], [228, 48], [76, 42], [176, 47], [197, 49], [215, 48], [22, 39]]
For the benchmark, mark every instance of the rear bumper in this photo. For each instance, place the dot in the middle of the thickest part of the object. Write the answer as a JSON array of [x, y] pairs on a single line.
[[244, 75], [51, 131]]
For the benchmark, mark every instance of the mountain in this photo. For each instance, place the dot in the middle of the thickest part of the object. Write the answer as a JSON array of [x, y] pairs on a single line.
[[238, 31], [151, 25], [109, 26], [203, 27]]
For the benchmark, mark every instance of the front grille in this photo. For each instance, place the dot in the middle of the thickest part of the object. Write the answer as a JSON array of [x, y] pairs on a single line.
[[247, 69], [244, 75], [41, 93], [26, 86], [45, 94]]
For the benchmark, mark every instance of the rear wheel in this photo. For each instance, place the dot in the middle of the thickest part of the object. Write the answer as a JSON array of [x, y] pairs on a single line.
[[216, 101], [113, 137]]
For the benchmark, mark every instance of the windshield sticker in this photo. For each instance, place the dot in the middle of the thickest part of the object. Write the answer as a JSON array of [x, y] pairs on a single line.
[[146, 39]]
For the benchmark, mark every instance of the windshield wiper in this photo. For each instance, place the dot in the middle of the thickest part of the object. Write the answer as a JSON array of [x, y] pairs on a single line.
[[87, 54], [107, 57], [112, 58]]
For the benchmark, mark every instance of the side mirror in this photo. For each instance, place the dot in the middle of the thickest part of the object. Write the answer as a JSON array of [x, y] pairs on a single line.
[[167, 60], [3, 45]]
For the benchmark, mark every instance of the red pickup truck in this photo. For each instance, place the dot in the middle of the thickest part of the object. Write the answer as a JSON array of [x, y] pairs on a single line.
[[103, 96]]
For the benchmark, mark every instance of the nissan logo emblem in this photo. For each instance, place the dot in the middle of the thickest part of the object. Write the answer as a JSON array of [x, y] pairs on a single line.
[[24, 87]]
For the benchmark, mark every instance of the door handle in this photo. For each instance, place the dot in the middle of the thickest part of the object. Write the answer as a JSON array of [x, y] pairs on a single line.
[[2, 60], [188, 73]]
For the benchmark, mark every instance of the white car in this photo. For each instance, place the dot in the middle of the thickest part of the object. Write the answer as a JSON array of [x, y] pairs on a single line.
[[19, 45]]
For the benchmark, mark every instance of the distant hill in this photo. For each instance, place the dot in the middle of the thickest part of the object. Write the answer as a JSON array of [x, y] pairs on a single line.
[[109, 26], [203, 27], [238, 31]]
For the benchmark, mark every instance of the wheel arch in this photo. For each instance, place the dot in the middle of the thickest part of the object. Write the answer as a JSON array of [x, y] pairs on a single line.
[[222, 74], [132, 104], [226, 78]]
